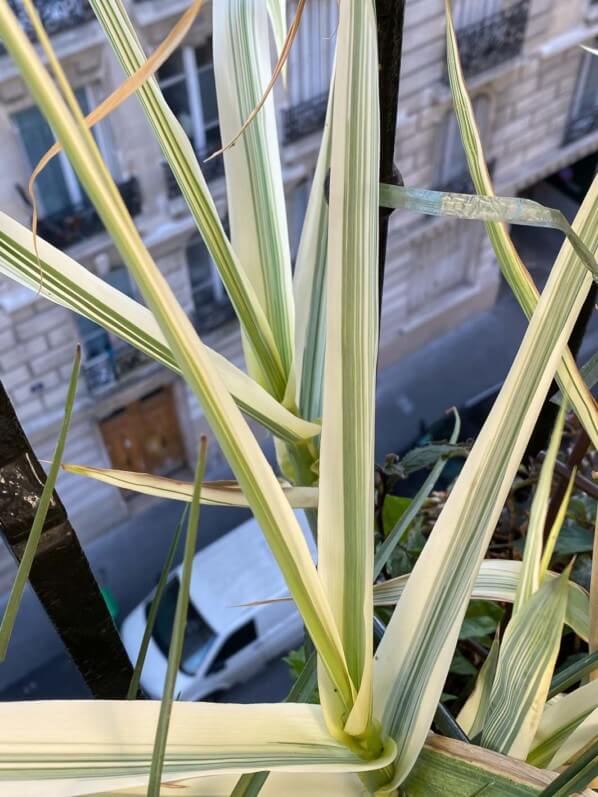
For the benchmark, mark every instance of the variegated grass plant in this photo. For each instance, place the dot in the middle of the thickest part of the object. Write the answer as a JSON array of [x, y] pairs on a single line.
[[310, 345]]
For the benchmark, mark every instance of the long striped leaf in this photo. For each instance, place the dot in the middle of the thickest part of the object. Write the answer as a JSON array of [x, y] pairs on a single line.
[[310, 286], [513, 269], [224, 493], [497, 581], [69, 284], [256, 206], [497, 209], [561, 716], [531, 571], [526, 662], [581, 773], [182, 160], [585, 733], [253, 472], [416, 651], [472, 716], [78, 747], [179, 627], [346, 506], [45, 503]]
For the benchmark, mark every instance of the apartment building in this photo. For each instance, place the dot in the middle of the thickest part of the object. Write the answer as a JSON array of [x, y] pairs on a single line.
[[535, 93]]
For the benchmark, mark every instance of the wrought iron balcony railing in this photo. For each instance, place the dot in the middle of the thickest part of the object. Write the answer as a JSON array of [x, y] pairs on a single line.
[[56, 15], [211, 170], [581, 124], [75, 223], [106, 369], [304, 118], [496, 39]]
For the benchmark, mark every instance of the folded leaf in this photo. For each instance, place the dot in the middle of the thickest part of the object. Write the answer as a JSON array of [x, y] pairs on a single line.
[[346, 505], [69, 284], [526, 662], [561, 716], [513, 269], [497, 580], [77, 747], [224, 493]]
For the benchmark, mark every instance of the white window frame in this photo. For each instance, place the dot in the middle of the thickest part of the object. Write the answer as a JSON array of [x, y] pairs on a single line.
[[581, 87], [190, 75]]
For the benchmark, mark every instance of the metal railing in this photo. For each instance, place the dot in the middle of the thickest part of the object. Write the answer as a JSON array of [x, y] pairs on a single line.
[[77, 222], [581, 124], [56, 15], [304, 118], [494, 40], [211, 170], [106, 369]]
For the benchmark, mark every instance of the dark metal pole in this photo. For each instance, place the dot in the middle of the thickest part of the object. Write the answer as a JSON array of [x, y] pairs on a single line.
[[390, 15], [60, 576]]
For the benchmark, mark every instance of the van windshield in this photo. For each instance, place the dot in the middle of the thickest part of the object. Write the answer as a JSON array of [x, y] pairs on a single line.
[[199, 636]]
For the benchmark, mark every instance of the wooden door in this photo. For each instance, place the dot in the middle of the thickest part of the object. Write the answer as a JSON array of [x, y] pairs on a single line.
[[145, 436]]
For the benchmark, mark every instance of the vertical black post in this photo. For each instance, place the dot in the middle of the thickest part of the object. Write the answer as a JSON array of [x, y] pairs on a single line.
[[390, 15], [60, 576]]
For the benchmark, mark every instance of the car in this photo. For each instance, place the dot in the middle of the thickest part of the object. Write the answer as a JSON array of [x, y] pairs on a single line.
[[226, 641]]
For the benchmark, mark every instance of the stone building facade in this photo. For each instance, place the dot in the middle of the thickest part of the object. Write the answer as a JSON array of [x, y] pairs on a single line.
[[535, 92]]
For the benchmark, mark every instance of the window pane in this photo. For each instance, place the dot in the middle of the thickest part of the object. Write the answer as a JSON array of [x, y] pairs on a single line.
[[207, 87], [589, 96], [172, 67], [37, 138], [199, 636], [178, 100], [234, 644]]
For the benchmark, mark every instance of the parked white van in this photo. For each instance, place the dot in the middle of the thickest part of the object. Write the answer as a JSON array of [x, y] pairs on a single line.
[[225, 643]]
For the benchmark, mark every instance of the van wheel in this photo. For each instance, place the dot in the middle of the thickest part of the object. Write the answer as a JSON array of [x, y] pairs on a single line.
[[212, 697]]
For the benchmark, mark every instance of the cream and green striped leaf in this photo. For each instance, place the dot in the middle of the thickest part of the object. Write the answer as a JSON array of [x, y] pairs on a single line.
[[526, 662], [253, 472], [473, 714], [309, 286], [182, 160], [415, 653], [561, 717], [224, 493], [66, 282], [346, 504], [256, 204], [497, 209], [531, 572], [78, 747], [497, 580], [513, 269]]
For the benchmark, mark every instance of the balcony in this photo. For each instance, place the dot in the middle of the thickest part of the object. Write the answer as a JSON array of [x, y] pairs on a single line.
[[105, 370], [496, 39], [211, 170], [580, 125], [56, 15], [304, 118], [76, 222]]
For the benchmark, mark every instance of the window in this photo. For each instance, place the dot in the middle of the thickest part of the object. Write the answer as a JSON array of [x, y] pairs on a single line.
[[472, 12], [199, 636], [312, 55], [586, 94], [453, 172], [211, 304], [187, 81], [238, 640], [57, 187], [583, 116]]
